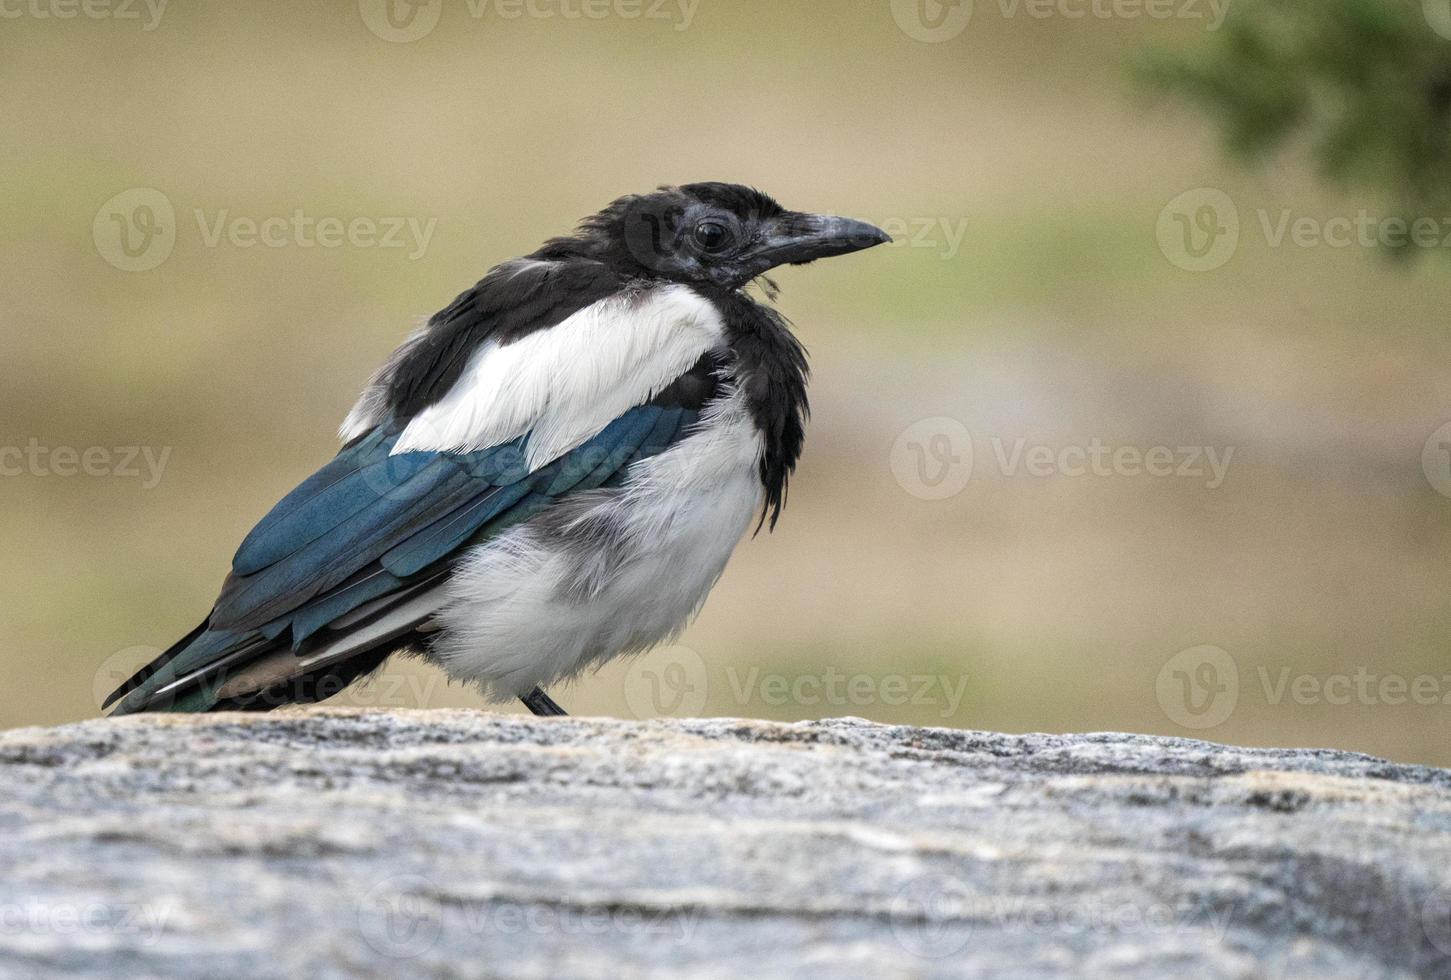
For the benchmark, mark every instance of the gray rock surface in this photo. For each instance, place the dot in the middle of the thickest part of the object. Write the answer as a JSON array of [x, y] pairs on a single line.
[[449, 843]]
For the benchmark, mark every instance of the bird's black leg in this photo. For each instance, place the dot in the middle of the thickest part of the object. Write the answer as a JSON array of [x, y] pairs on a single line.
[[542, 704]]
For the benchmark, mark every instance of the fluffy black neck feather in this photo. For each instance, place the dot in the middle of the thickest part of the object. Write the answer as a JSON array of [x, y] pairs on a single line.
[[770, 366]]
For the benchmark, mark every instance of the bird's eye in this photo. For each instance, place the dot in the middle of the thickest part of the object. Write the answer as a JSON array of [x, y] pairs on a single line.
[[712, 236]]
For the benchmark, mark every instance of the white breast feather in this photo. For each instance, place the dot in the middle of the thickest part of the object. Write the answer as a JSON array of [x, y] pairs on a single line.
[[511, 621]]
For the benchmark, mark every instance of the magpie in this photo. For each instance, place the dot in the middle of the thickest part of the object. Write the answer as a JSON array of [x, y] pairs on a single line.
[[551, 472]]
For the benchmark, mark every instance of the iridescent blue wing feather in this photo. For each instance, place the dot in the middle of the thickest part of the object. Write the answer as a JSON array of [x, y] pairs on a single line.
[[371, 525]]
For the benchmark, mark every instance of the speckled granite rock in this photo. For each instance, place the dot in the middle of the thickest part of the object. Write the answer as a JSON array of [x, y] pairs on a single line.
[[447, 843]]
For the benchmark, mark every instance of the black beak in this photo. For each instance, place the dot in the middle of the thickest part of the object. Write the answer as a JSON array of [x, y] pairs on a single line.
[[795, 239]]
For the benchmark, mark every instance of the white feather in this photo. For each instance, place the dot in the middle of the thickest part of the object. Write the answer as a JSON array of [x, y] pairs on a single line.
[[564, 384]]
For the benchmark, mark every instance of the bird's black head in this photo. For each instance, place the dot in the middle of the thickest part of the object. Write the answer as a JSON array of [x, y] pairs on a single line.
[[716, 234]]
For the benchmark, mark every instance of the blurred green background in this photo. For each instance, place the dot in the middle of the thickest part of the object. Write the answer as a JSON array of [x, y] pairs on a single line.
[[1038, 298]]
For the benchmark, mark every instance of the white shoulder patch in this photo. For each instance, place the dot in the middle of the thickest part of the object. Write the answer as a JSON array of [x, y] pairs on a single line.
[[568, 382]]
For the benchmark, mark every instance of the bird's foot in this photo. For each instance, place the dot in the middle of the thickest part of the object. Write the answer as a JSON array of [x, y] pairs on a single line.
[[542, 704]]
